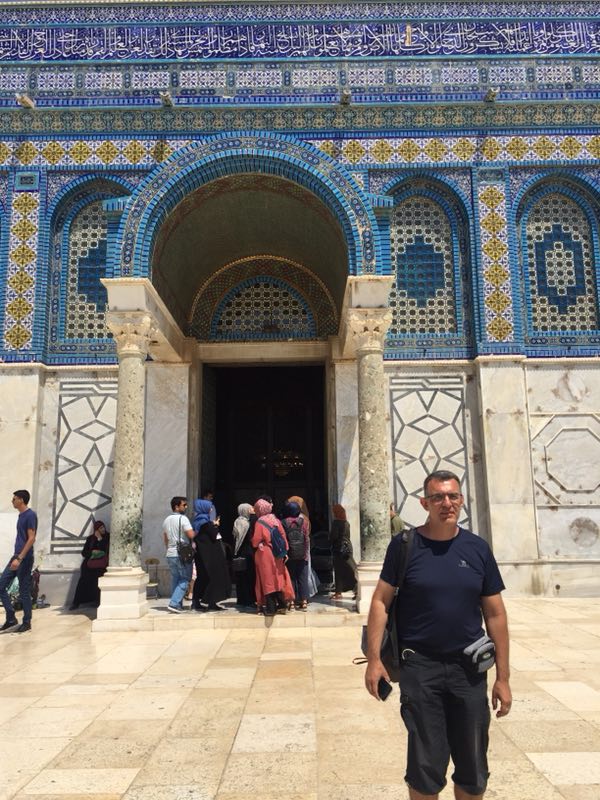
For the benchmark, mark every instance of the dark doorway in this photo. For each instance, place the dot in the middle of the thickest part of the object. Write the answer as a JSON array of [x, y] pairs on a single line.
[[269, 437]]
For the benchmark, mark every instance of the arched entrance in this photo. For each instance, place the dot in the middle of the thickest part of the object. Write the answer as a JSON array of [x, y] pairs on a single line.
[[256, 250], [256, 260]]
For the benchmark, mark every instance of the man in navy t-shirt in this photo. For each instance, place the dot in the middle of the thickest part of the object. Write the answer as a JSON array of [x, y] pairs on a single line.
[[451, 579], [20, 565]]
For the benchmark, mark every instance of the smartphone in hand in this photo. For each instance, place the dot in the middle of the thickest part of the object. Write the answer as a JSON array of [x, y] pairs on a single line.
[[384, 689]]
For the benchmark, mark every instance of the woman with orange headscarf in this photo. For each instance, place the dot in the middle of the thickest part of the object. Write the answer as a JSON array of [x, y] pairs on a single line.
[[344, 565]]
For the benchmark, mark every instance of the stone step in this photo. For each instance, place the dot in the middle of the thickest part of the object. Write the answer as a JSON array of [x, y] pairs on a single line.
[[159, 619]]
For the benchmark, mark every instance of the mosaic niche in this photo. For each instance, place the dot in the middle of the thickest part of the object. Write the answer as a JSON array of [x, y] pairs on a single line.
[[86, 296], [263, 308], [560, 265], [263, 298], [423, 296], [78, 253]]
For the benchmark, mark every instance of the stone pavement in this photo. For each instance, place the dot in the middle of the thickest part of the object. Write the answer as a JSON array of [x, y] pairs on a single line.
[[274, 713]]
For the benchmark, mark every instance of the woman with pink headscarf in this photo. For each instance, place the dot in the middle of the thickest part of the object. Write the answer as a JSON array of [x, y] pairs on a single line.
[[273, 585]]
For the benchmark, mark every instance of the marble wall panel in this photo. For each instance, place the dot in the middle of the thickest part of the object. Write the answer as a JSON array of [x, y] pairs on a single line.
[[506, 445], [8, 523], [166, 449], [346, 490], [565, 449], [20, 404]]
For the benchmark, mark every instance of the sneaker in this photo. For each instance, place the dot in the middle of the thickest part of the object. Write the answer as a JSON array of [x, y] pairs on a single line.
[[24, 626], [10, 623], [175, 609]]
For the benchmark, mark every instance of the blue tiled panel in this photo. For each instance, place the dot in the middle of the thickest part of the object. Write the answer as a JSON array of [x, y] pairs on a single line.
[[420, 271], [290, 61], [91, 269], [560, 291]]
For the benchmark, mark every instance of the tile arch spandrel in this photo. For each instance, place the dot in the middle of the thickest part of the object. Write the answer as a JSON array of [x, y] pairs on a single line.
[[268, 153]]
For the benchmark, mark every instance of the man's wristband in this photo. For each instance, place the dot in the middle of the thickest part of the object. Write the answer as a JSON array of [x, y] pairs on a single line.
[[18, 558]]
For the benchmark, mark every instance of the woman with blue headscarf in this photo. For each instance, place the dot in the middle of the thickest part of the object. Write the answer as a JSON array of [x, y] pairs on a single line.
[[213, 583]]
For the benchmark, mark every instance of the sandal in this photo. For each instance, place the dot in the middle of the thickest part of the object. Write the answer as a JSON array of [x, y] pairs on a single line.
[[336, 596], [303, 605]]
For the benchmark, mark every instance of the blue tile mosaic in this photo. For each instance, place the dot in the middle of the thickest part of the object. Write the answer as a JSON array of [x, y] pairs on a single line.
[[257, 87]]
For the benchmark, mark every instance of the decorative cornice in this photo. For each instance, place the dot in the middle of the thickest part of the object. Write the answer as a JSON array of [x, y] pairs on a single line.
[[192, 10], [309, 120]]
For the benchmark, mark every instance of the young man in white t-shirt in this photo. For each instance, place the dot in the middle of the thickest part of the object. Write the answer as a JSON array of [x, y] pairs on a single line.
[[177, 528]]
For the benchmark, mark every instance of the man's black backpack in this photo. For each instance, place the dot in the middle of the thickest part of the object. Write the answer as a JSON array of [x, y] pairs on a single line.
[[295, 537]]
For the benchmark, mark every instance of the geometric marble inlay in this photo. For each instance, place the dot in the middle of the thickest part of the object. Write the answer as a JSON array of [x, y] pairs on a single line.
[[565, 452], [84, 461], [428, 430]]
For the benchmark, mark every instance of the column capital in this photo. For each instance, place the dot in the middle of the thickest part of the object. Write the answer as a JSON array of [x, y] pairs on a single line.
[[368, 327], [132, 332]]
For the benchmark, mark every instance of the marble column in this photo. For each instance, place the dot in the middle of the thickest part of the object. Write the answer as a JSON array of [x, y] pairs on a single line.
[[368, 327], [123, 587]]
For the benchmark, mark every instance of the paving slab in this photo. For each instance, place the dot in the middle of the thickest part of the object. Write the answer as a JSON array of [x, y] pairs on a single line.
[[196, 707]]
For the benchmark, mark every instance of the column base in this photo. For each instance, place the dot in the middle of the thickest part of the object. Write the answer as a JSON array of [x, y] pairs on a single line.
[[122, 596], [367, 574]]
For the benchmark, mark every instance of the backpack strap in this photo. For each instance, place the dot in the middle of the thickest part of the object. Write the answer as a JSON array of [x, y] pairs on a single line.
[[407, 539], [266, 526]]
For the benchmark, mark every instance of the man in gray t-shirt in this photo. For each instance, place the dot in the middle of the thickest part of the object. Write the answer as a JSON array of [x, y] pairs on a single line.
[[177, 528]]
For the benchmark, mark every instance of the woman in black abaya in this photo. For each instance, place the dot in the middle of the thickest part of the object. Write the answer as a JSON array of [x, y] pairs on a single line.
[[213, 583]]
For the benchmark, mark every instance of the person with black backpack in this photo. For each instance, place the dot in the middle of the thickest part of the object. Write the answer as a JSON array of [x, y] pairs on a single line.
[[296, 530]]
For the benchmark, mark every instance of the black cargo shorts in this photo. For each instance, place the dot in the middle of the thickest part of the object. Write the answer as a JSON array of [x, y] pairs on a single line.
[[446, 712]]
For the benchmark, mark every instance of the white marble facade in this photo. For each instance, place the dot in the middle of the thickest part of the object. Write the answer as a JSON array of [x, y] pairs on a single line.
[[564, 404], [523, 435]]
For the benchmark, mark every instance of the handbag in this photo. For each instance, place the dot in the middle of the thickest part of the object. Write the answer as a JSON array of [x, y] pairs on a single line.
[[98, 560], [239, 564], [346, 549], [184, 551], [390, 648]]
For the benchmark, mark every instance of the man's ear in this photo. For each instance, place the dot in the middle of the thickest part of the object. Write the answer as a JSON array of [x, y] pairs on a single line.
[[424, 503]]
